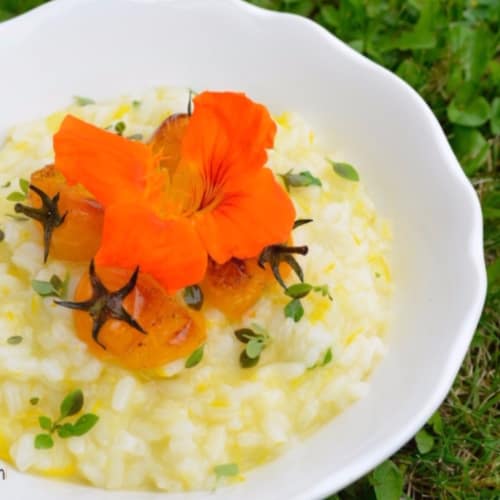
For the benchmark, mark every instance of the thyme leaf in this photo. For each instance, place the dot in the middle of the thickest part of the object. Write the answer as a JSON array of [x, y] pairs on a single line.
[[226, 470], [298, 290], [325, 360], [120, 127], [82, 101], [16, 196], [22, 193], [245, 335], [246, 361], [72, 403], [55, 287], [345, 170], [45, 423], [195, 357], [70, 406], [294, 310], [43, 441], [256, 342], [84, 424], [254, 348], [302, 179], [14, 340]]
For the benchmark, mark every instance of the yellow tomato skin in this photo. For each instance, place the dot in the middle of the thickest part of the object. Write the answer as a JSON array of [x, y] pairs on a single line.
[[235, 286], [78, 238], [173, 331]]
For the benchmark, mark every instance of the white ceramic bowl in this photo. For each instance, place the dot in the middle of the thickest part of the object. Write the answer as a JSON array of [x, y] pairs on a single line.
[[105, 48]]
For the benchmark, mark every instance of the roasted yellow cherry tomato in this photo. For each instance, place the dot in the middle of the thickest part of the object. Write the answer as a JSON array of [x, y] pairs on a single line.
[[170, 330], [79, 236]]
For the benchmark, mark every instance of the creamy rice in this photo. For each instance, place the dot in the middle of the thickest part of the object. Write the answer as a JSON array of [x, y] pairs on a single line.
[[168, 430]]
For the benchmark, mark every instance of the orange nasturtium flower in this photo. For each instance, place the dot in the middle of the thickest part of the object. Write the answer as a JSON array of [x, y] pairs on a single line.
[[219, 201]]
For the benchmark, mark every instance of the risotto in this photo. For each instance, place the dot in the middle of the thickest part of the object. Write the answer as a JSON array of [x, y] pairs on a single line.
[[237, 401]]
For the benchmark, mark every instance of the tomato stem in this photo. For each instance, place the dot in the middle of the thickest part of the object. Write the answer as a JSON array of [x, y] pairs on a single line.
[[276, 254], [48, 215]]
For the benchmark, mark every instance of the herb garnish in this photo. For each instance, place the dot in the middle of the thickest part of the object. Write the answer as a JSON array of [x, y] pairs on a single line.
[[256, 340], [193, 297], [345, 170], [195, 357], [22, 193], [34, 401], [298, 290], [14, 340], [136, 103], [55, 287], [82, 101], [325, 360], [2, 235], [275, 255], [294, 309], [104, 304], [6, 185], [71, 405], [48, 215], [302, 179], [120, 127], [226, 470]]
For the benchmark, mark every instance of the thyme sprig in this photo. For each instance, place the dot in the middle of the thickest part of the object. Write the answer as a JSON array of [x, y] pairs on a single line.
[[48, 215], [104, 304], [294, 309], [275, 255], [70, 406], [256, 339]]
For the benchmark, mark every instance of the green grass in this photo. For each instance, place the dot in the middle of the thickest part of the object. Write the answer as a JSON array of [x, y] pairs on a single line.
[[449, 51]]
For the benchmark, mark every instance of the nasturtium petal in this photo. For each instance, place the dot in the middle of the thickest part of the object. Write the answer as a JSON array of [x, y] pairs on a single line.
[[228, 135], [111, 167], [256, 214], [169, 250]]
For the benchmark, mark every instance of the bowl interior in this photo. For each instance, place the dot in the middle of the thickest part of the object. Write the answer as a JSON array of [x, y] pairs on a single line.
[[107, 48]]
